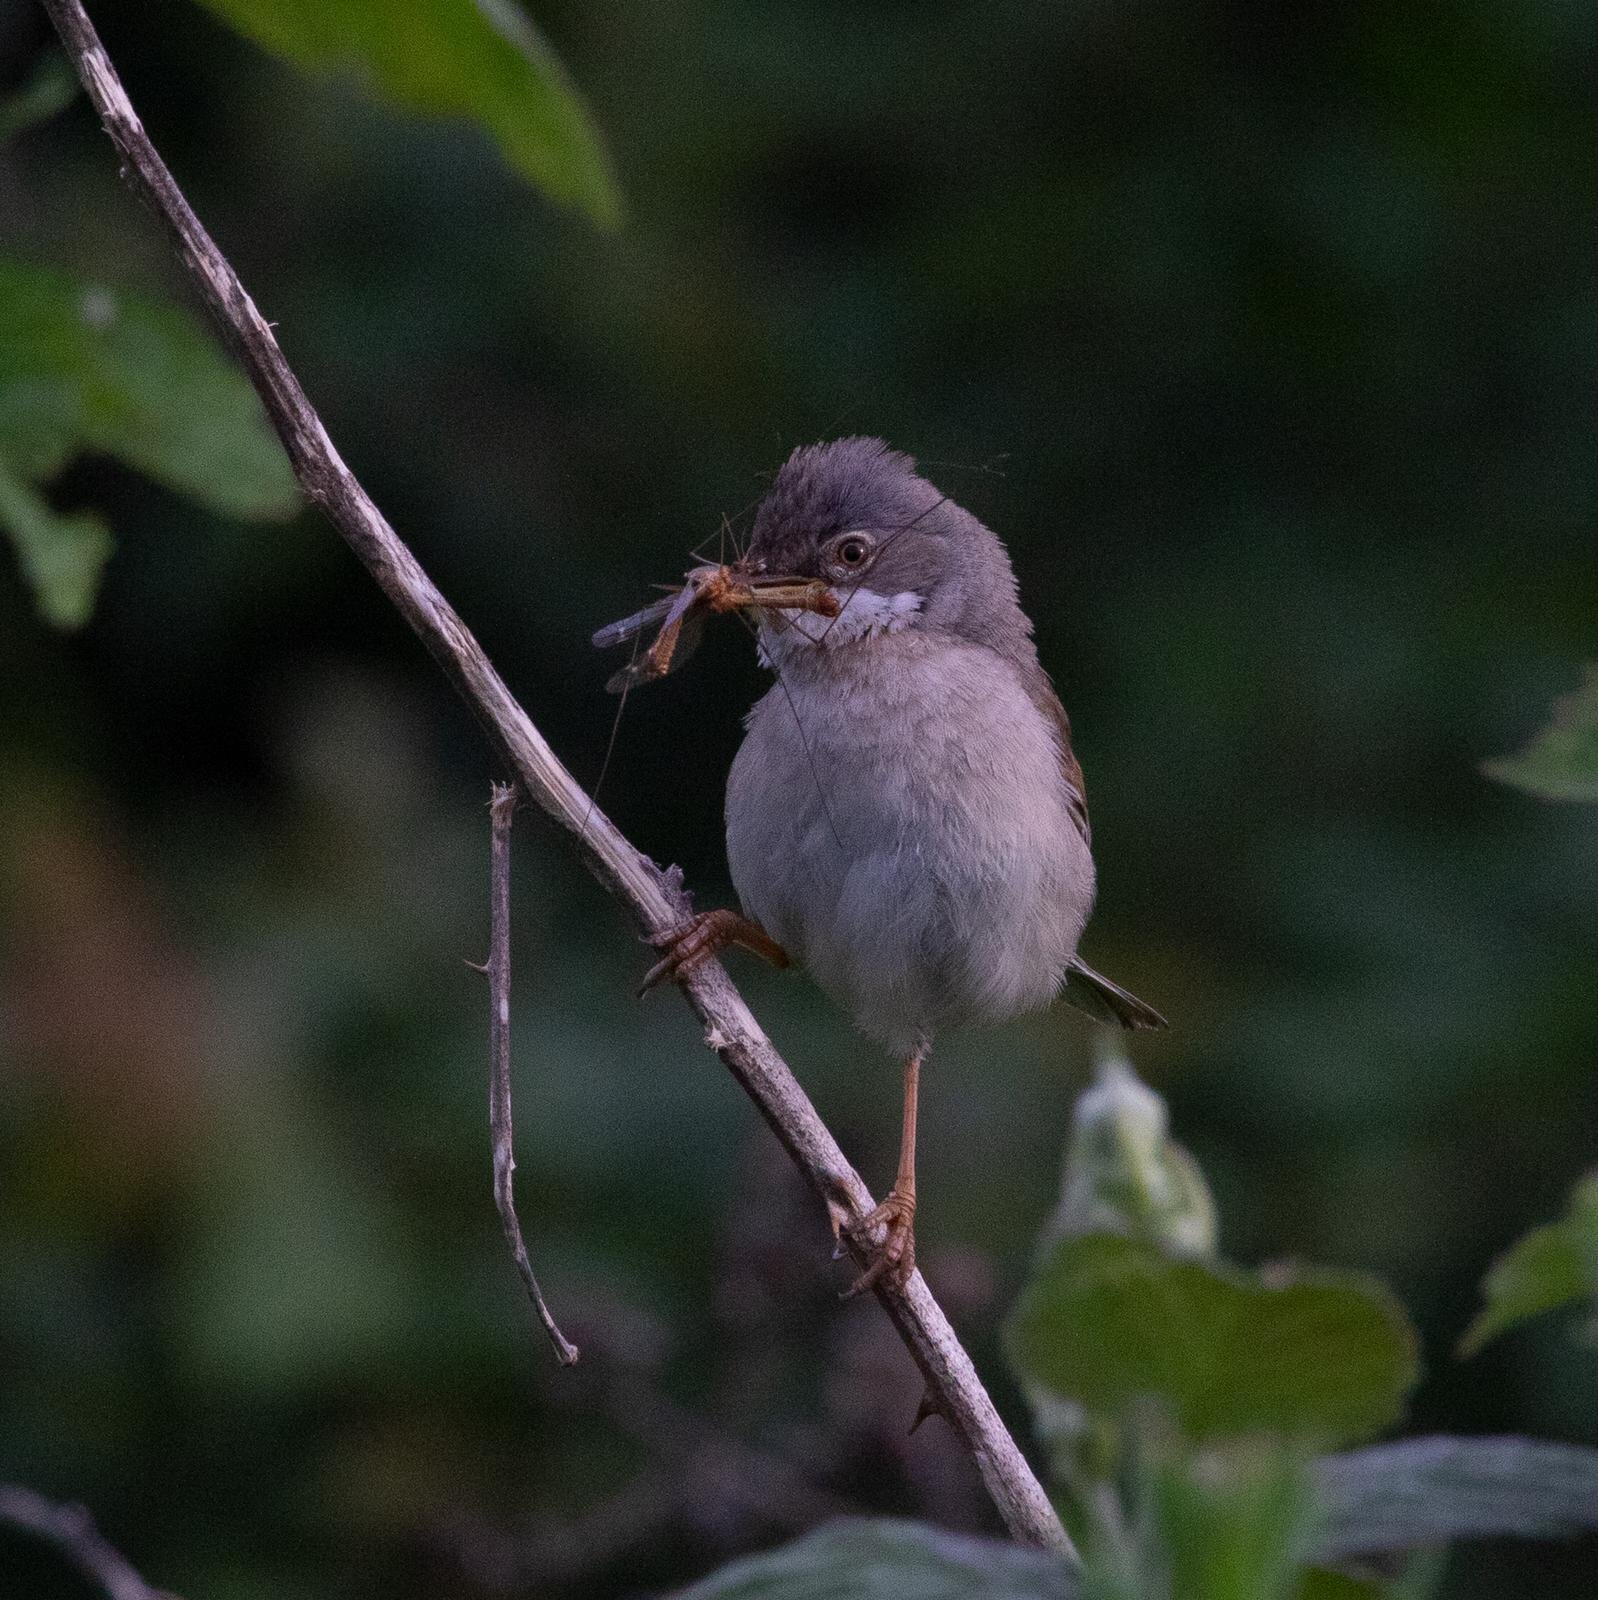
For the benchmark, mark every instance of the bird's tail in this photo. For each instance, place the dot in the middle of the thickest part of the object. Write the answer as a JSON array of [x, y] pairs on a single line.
[[1093, 993]]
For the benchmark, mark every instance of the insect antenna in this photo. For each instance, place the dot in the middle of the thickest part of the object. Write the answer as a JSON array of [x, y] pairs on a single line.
[[993, 467], [610, 746], [804, 738]]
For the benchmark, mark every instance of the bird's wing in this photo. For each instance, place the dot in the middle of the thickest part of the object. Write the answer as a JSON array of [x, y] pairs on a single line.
[[1086, 989], [1093, 993], [1076, 793]]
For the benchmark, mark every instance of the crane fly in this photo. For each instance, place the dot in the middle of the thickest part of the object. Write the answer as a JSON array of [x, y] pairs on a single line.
[[706, 591]]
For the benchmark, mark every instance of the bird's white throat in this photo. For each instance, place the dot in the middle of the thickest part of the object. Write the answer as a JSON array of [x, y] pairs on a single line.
[[863, 614]]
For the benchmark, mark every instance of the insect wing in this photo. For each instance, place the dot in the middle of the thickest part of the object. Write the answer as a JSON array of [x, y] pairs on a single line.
[[615, 633]]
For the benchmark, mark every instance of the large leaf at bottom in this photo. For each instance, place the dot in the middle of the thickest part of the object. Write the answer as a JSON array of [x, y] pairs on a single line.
[[1419, 1493], [886, 1560], [1319, 1358], [481, 59]]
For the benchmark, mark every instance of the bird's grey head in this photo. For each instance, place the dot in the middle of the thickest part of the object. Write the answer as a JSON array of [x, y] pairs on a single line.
[[896, 551]]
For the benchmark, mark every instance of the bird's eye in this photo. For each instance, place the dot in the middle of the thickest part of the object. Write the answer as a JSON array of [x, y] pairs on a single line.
[[853, 551]]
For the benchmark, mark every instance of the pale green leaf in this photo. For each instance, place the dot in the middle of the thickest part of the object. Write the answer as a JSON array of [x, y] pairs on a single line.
[[1223, 1521], [1319, 1357], [479, 59], [1124, 1174], [1552, 1266], [61, 556], [1561, 763], [86, 367]]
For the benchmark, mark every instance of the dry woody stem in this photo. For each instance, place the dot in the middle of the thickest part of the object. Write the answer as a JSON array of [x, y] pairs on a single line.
[[654, 897], [501, 813]]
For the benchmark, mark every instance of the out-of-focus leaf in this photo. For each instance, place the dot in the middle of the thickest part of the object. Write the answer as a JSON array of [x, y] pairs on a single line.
[[1419, 1493], [481, 59], [1417, 1579], [887, 1560], [50, 88], [1322, 1584], [1222, 1522], [61, 556], [1125, 1175], [82, 368], [1316, 1357], [1551, 1266], [1561, 763]]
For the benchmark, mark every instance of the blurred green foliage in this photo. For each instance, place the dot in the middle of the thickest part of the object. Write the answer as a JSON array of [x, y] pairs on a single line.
[[1184, 1404], [1561, 763], [1269, 342], [481, 59], [1314, 1358], [1552, 1266], [85, 368]]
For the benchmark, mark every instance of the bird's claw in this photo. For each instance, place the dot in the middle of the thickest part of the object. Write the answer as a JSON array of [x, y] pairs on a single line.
[[697, 939], [894, 1259]]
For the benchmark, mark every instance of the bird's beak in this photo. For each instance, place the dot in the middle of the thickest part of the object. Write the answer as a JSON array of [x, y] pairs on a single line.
[[707, 590], [735, 588]]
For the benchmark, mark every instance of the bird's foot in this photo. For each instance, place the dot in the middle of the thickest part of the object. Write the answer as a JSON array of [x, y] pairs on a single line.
[[688, 944], [894, 1259]]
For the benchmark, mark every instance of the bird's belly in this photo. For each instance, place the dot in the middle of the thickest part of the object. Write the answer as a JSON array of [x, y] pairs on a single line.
[[914, 846]]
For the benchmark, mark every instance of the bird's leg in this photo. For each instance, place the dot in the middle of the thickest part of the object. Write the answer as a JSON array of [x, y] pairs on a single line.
[[895, 1258], [700, 937]]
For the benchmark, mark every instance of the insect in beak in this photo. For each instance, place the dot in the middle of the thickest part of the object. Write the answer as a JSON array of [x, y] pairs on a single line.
[[706, 591]]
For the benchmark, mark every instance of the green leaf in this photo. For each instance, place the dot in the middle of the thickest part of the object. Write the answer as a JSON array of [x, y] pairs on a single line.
[[1561, 763], [61, 556], [1223, 1522], [1551, 1266], [1321, 1584], [481, 59], [886, 1560], [50, 87], [83, 368], [1310, 1357]]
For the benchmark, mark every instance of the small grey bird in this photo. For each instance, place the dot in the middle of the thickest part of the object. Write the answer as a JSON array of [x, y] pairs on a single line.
[[905, 816]]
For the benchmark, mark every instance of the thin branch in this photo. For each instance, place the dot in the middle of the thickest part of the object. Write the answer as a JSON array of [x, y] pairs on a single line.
[[501, 812], [654, 897], [71, 1531]]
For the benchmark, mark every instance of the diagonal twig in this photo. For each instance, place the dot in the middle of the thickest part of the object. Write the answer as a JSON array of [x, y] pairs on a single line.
[[71, 1530], [654, 897], [501, 812]]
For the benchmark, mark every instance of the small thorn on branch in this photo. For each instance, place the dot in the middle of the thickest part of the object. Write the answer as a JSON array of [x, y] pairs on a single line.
[[929, 1407], [501, 810]]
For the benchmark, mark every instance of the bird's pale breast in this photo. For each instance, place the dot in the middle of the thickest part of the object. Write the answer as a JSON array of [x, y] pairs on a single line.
[[897, 819]]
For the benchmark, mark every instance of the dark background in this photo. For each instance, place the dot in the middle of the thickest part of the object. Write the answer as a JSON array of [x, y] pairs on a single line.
[[1266, 336]]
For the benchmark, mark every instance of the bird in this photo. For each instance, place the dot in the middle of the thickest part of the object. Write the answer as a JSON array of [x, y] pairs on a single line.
[[905, 817]]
